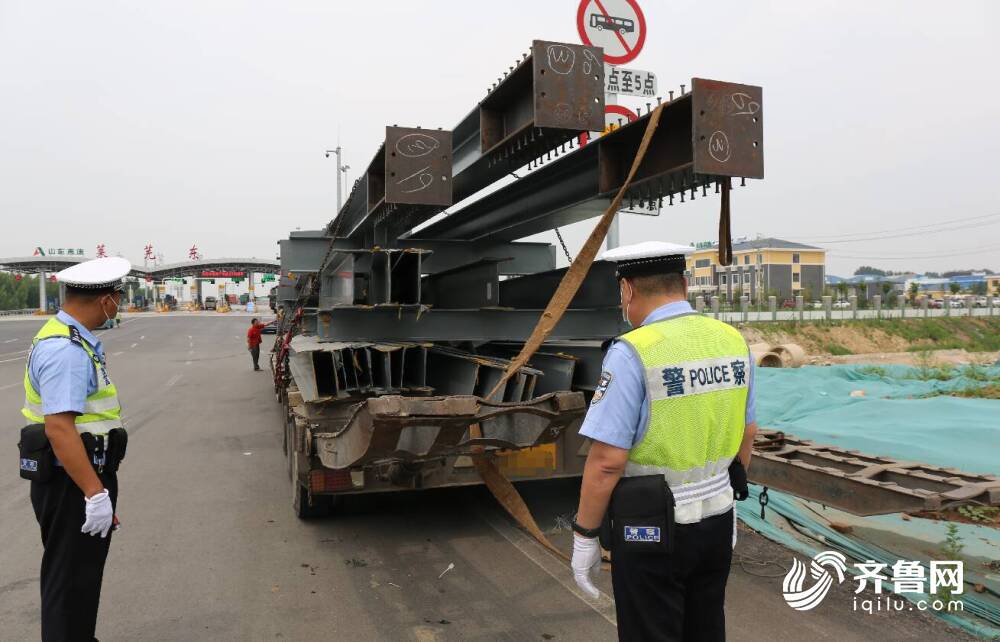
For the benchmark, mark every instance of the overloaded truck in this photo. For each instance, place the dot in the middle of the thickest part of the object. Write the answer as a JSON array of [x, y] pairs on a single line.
[[395, 322], [399, 318]]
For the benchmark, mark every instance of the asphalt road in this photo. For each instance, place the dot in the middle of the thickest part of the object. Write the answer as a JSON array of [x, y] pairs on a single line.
[[209, 548]]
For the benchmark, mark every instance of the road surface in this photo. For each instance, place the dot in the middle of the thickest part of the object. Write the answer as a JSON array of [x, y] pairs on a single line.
[[209, 548]]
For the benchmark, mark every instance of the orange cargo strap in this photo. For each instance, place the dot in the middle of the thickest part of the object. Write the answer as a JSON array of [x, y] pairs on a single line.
[[495, 480]]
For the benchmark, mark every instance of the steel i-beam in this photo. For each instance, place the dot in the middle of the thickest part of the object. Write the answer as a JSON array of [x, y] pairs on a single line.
[[712, 133]]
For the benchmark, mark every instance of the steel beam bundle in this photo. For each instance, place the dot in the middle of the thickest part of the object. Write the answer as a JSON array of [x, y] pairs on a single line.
[[388, 319], [550, 96], [712, 133]]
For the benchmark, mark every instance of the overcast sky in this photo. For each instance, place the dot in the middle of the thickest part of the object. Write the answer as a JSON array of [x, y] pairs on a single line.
[[181, 123]]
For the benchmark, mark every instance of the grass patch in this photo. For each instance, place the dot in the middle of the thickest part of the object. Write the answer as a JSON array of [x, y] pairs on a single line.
[[975, 372], [836, 349], [979, 392], [874, 371], [975, 334]]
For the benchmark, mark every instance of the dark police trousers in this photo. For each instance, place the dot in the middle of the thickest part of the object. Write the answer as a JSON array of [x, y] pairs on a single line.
[[73, 562], [676, 596]]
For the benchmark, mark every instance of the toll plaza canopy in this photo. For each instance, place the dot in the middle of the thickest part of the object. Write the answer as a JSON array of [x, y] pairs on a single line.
[[202, 268]]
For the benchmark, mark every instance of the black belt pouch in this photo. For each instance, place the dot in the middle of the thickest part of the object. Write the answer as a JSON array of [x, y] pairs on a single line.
[[37, 458], [641, 515], [738, 480], [117, 445]]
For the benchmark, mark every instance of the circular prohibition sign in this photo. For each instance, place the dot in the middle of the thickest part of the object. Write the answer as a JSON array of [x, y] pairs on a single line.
[[616, 25], [612, 120]]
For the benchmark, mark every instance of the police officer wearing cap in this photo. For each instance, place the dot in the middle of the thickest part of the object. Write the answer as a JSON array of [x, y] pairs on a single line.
[[672, 414], [72, 445]]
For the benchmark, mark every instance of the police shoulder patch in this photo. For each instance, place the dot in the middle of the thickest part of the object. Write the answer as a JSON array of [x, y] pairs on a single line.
[[602, 387]]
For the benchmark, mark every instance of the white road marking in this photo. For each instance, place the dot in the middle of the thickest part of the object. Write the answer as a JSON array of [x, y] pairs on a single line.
[[133, 345], [141, 337], [11, 340], [604, 606], [14, 359], [11, 385], [115, 354], [173, 380], [187, 363]]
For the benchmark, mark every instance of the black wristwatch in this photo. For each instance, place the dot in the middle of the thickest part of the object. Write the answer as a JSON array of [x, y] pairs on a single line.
[[585, 532]]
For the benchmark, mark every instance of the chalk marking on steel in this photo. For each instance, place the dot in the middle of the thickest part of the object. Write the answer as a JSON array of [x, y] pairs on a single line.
[[604, 606]]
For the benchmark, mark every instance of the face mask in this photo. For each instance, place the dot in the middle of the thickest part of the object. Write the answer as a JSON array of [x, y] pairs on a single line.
[[626, 305], [108, 317]]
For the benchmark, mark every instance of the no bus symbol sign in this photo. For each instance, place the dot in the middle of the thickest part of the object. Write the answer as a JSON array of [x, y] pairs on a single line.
[[617, 26]]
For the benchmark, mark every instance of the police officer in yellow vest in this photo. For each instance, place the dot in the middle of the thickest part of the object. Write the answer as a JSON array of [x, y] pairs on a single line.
[[71, 447], [673, 410]]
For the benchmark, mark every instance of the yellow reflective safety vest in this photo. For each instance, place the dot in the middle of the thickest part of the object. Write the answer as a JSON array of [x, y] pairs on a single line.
[[101, 411], [697, 380]]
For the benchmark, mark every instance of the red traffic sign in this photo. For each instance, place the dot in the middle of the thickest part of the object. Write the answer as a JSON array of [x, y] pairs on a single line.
[[615, 113], [616, 25], [613, 118]]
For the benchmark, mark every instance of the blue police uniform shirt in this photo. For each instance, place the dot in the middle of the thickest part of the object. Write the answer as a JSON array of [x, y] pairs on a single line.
[[63, 373], [618, 418]]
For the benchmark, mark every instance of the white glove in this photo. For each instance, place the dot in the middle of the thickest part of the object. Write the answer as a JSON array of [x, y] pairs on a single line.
[[586, 557], [100, 514]]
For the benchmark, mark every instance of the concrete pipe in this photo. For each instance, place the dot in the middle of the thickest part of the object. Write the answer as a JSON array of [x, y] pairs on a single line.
[[792, 355], [771, 360], [758, 350]]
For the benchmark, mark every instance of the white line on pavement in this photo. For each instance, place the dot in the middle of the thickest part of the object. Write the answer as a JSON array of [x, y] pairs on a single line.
[[115, 354], [10, 340], [11, 385], [187, 363], [173, 380], [141, 337], [133, 345], [604, 606]]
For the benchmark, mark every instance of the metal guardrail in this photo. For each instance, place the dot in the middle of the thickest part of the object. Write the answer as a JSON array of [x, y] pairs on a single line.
[[758, 313], [17, 313]]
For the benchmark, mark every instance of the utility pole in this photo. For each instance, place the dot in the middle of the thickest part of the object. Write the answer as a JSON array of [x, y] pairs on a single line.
[[341, 169]]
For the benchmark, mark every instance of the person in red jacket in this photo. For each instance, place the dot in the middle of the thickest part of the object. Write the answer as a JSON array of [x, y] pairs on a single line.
[[253, 341]]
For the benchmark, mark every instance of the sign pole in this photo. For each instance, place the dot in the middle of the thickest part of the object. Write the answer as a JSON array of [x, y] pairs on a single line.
[[42, 304], [621, 34], [613, 239]]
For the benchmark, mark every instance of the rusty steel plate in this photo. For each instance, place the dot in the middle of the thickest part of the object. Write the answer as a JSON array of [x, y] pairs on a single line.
[[569, 85], [417, 166], [728, 128]]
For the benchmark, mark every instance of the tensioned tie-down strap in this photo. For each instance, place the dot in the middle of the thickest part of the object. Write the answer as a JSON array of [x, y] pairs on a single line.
[[495, 480], [725, 228]]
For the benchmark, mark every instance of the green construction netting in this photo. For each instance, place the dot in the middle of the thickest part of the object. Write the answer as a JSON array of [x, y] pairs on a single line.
[[894, 411]]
